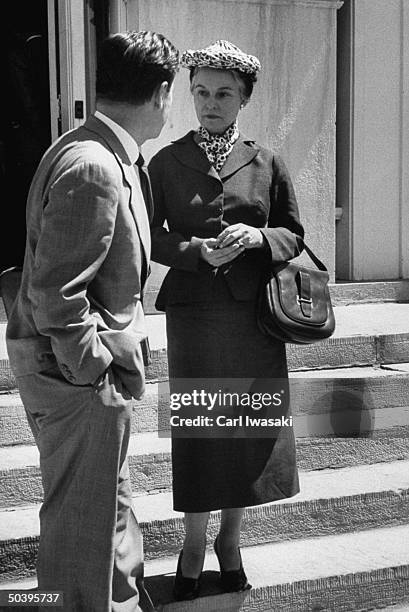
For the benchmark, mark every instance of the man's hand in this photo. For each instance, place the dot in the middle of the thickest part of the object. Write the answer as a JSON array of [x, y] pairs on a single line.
[[241, 234], [216, 256]]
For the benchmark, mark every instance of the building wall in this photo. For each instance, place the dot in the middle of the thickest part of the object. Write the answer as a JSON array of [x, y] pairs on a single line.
[[292, 110]]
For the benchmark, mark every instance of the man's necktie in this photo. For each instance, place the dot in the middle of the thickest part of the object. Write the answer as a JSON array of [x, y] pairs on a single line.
[[145, 185], [147, 196]]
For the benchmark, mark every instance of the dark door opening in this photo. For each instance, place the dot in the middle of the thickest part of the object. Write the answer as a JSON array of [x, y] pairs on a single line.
[[25, 117]]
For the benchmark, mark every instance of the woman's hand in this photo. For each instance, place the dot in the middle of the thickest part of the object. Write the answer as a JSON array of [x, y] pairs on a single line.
[[216, 256], [244, 235]]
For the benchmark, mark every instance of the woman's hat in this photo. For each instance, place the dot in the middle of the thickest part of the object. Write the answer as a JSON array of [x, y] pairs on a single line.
[[223, 55]]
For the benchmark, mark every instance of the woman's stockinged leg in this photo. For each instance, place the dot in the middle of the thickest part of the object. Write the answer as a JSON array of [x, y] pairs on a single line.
[[228, 540], [194, 545]]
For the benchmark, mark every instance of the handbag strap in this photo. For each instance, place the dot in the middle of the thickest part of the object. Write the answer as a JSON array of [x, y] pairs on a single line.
[[315, 259]]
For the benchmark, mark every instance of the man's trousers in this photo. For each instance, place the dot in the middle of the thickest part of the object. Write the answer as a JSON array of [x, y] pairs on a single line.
[[90, 542]]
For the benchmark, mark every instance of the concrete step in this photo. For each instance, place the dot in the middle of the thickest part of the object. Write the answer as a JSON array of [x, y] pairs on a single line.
[[330, 501], [396, 608], [343, 293], [156, 328], [150, 460], [366, 334], [374, 495], [360, 571], [339, 573], [339, 401]]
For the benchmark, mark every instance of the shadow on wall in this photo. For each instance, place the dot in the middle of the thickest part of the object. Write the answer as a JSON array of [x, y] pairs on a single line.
[[340, 407]]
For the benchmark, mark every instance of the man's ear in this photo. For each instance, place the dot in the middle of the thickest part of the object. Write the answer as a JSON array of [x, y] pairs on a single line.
[[160, 94]]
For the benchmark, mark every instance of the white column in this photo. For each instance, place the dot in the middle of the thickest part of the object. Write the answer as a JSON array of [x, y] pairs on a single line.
[[372, 133], [404, 238]]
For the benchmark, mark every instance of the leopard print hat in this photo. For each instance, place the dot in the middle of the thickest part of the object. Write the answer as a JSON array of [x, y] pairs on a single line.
[[223, 55]]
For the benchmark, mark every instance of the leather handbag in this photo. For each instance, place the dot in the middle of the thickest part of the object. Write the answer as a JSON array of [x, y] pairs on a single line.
[[294, 303]]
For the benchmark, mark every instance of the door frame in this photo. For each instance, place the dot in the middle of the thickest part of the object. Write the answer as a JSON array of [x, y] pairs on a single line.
[[68, 38]]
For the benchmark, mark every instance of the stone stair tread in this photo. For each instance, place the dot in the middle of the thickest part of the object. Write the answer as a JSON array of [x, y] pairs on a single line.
[[20, 522], [351, 320], [19, 583], [371, 319], [397, 608], [362, 337], [378, 393], [313, 558], [31, 584], [322, 484], [21, 456], [354, 372], [10, 399], [359, 557], [308, 421], [151, 471], [24, 456], [155, 327], [402, 367], [387, 318], [13, 400]]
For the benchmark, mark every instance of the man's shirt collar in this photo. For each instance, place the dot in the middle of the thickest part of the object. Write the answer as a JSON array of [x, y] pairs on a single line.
[[128, 142]]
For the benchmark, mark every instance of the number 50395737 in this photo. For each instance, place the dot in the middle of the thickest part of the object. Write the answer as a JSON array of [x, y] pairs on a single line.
[[31, 598]]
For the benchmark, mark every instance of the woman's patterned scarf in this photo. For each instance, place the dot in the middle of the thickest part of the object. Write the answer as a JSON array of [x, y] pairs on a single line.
[[218, 146]]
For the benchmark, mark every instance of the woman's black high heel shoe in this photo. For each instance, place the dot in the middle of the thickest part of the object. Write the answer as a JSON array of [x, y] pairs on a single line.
[[185, 588], [232, 580]]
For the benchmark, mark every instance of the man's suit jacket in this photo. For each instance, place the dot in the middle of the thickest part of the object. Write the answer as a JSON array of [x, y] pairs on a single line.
[[86, 261], [253, 187]]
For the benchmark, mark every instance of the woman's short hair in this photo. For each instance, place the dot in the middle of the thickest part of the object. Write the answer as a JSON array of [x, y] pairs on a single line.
[[245, 80], [132, 65]]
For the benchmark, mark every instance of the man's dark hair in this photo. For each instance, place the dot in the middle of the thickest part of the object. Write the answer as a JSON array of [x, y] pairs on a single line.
[[132, 65]]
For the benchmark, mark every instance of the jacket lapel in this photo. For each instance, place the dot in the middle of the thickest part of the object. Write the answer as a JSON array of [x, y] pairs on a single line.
[[189, 154], [243, 152], [136, 202], [192, 156]]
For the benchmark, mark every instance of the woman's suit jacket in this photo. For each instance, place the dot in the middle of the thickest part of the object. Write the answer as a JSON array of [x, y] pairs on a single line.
[[253, 187]]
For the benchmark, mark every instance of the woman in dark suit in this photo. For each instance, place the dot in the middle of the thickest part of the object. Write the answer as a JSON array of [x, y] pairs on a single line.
[[231, 211]]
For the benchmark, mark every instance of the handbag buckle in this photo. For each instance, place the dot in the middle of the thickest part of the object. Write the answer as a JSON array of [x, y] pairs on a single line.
[[305, 303], [304, 300]]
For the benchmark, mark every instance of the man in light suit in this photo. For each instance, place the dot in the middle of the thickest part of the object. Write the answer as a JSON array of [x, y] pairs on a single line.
[[74, 334]]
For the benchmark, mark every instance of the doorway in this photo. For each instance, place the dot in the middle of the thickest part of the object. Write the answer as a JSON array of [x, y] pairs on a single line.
[[25, 116]]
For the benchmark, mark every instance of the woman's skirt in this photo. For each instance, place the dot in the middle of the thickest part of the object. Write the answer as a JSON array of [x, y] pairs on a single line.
[[221, 341]]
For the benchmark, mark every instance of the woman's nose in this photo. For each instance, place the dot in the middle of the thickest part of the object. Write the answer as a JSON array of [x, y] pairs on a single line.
[[211, 103]]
